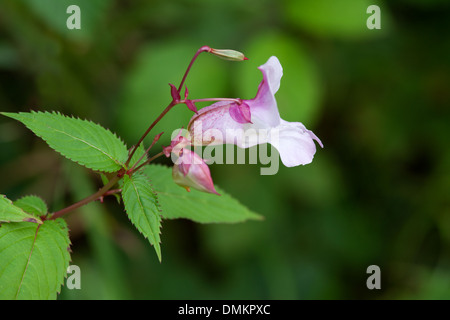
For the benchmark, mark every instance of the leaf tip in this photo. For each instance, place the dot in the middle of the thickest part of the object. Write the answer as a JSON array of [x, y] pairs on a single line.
[[7, 114], [157, 248]]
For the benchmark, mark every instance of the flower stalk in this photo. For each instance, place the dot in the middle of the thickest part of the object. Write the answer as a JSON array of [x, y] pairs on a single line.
[[190, 170]]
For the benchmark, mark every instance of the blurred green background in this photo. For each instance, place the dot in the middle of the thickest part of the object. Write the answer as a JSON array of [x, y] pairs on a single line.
[[378, 193]]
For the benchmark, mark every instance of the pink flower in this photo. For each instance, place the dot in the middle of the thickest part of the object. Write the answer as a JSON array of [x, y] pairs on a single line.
[[189, 169], [256, 121]]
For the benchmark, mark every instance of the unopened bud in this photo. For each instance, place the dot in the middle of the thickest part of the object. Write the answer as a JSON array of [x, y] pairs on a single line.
[[227, 54], [191, 171]]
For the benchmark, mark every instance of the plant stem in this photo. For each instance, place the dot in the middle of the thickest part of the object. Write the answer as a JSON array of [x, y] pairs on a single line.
[[150, 160], [202, 49], [106, 189], [92, 197], [238, 101], [146, 151], [111, 192], [173, 103]]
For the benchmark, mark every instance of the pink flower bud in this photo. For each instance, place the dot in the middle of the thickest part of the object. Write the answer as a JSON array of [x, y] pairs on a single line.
[[190, 171], [227, 54]]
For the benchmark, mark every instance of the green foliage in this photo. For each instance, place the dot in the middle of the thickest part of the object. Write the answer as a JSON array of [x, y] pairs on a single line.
[[198, 206], [33, 205], [34, 259], [106, 279], [79, 140], [141, 205], [378, 99], [16, 213]]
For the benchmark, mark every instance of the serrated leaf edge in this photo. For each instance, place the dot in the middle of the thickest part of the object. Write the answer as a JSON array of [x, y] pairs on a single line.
[[255, 216], [30, 218], [160, 216], [69, 249], [33, 195], [57, 113]]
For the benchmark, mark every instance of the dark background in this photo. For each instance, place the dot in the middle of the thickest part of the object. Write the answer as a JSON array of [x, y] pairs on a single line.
[[378, 193]]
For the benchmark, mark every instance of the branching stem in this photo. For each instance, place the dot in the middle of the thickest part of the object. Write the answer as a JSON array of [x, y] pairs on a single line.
[[106, 189], [91, 198]]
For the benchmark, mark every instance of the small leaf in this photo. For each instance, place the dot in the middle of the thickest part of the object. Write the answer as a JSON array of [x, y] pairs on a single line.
[[32, 205], [82, 141], [198, 206], [141, 206], [34, 259], [11, 213]]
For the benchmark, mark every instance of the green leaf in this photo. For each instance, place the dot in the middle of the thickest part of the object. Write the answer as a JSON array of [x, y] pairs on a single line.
[[141, 205], [81, 141], [11, 213], [34, 259], [198, 206], [32, 205]]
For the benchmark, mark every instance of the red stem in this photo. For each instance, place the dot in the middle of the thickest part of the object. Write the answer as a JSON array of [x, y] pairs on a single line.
[[202, 49], [238, 101], [111, 192], [106, 189], [86, 200], [150, 160], [173, 103], [146, 151]]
